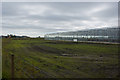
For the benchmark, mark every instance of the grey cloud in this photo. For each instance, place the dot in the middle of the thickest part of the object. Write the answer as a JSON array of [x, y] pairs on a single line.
[[56, 17], [109, 13], [53, 17]]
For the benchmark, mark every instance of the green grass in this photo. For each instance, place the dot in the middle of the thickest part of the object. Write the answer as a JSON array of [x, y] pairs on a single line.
[[48, 56]]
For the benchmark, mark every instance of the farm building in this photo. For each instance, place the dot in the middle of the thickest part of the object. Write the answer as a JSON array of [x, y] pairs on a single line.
[[102, 34]]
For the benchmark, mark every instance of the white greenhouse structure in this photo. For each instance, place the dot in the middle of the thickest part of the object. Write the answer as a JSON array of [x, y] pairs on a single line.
[[103, 34]]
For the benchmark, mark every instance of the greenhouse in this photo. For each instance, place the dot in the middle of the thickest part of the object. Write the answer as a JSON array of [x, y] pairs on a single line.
[[102, 34]]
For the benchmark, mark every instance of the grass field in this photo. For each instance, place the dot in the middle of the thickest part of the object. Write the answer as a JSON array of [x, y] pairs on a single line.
[[59, 59]]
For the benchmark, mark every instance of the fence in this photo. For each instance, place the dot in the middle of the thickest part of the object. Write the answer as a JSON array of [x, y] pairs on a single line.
[[37, 72]]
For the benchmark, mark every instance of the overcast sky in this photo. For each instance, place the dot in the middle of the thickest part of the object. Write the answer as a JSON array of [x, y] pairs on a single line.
[[40, 18]]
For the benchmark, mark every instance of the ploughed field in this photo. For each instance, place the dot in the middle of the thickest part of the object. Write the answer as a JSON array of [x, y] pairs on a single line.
[[39, 58]]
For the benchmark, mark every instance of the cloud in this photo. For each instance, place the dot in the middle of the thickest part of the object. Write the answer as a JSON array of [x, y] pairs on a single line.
[[39, 18]]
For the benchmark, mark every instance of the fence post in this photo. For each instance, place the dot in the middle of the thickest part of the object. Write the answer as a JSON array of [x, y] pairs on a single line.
[[12, 66]]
